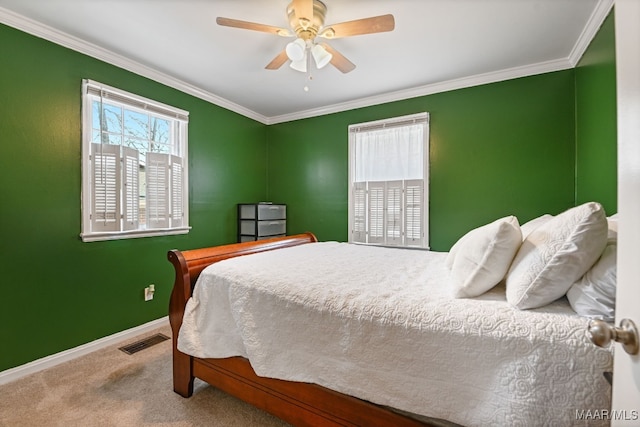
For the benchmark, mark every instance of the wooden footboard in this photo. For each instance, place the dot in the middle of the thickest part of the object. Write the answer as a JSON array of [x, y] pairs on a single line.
[[301, 404], [188, 265]]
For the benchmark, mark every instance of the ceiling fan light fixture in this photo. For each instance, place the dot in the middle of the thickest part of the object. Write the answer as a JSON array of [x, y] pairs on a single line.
[[300, 65], [296, 50], [320, 56]]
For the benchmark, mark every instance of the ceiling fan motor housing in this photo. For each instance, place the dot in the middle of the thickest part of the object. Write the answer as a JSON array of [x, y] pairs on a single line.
[[307, 27]]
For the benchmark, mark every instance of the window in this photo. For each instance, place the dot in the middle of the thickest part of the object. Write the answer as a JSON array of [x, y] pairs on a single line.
[[134, 166], [388, 174]]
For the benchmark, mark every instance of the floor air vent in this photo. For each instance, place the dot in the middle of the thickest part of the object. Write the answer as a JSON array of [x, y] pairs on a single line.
[[144, 343]]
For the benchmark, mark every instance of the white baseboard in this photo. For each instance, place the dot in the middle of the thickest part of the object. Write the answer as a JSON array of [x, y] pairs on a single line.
[[64, 356]]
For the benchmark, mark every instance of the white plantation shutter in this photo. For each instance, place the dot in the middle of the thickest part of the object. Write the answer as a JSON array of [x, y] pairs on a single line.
[[114, 167], [413, 212], [393, 211], [359, 212], [131, 188], [105, 200], [376, 212], [177, 192], [157, 177]]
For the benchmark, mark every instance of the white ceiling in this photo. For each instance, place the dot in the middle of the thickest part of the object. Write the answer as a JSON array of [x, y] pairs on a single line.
[[436, 45]]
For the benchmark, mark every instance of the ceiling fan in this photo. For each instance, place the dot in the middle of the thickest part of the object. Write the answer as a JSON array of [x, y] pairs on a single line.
[[306, 19]]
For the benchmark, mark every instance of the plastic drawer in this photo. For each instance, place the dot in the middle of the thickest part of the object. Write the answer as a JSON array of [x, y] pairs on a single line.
[[270, 228], [262, 211], [269, 212]]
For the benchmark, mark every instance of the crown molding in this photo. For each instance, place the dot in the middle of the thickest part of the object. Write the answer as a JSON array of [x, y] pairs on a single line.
[[430, 89], [590, 30], [61, 38]]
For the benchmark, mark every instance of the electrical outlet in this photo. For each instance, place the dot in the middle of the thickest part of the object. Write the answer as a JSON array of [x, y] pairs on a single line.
[[148, 292]]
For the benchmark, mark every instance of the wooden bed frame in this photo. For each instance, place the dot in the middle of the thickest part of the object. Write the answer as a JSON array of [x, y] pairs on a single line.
[[301, 404]]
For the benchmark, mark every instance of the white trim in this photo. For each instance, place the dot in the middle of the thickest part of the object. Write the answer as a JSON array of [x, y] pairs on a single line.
[[43, 31], [590, 30], [626, 368], [98, 89], [100, 237], [446, 86], [382, 123], [18, 372]]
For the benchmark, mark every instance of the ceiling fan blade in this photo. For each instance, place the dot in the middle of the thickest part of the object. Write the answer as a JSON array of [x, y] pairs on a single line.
[[375, 24], [277, 62], [245, 25], [304, 9], [338, 60]]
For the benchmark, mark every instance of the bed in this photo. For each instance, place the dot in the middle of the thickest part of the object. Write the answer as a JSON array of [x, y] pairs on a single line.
[[301, 404], [329, 333]]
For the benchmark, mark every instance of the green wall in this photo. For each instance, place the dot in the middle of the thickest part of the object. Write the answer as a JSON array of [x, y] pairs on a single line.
[[500, 149], [596, 132], [58, 292], [522, 147], [497, 149]]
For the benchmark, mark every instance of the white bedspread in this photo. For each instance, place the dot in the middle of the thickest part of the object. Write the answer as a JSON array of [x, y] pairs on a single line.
[[380, 324]]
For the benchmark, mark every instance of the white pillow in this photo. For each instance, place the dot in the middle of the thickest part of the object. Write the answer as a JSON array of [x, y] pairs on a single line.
[[594, 295], [555, 255], [531, 225], [451, 256], [483, 256], [613, 223]]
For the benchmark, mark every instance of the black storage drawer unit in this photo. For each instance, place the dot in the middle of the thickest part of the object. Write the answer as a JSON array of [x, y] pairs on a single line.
[[261, 221]]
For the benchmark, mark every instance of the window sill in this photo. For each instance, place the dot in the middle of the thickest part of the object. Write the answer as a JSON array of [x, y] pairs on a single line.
[[134, 234], [382, 245]]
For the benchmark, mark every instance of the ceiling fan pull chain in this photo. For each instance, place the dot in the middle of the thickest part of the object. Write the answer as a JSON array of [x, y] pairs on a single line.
[[306, 87], [308, 77]]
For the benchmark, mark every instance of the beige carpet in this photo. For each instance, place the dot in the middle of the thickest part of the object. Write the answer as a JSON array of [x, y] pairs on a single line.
[[110, 388]]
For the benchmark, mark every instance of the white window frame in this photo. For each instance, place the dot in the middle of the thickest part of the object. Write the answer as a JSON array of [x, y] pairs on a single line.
[[400, 222], [118, 216]]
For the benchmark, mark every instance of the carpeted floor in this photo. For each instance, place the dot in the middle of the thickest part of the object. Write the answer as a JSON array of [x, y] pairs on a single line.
[[111, 388]]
